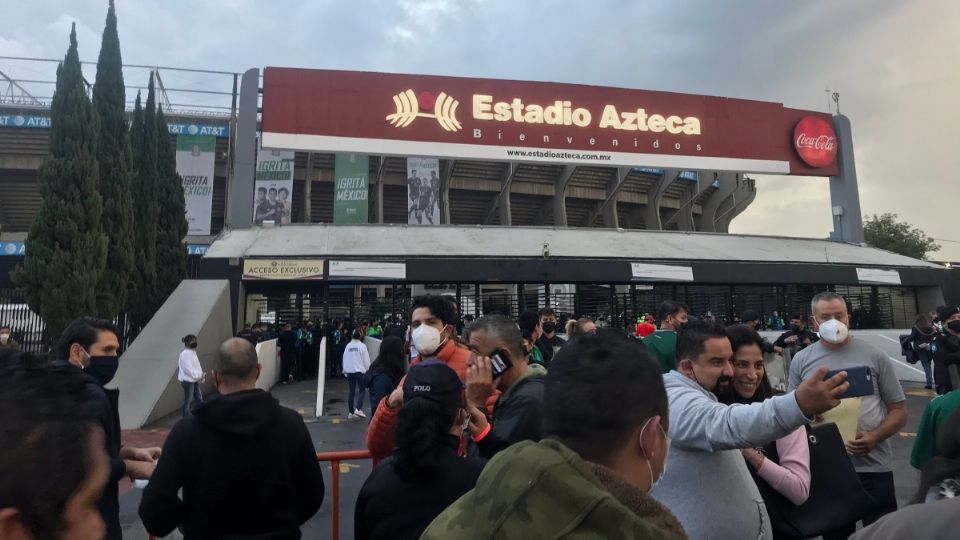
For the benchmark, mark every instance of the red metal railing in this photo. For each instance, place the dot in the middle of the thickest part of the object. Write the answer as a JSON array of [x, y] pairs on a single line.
[[335, 458]]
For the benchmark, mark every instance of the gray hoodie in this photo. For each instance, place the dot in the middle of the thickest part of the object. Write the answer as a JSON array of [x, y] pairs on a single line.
[[707, 484]]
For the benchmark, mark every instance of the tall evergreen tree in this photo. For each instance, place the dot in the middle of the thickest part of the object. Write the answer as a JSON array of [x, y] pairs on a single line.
[[172, 221], [141, 302], [116, 172], [66, 249]]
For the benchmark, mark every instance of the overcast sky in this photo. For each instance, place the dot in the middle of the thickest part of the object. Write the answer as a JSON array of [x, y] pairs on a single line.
[[894, 64]]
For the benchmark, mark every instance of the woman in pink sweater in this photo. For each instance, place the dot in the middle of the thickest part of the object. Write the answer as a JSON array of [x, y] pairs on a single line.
[[790, 476]]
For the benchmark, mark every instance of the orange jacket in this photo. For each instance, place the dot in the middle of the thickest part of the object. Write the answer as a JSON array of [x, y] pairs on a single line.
[[381, 428]]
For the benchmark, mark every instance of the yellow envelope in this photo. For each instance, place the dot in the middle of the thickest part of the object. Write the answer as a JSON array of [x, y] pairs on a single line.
[[846, 416]]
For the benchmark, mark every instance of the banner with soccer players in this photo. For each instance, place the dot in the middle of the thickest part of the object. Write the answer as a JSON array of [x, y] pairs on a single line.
[[351, 189], [423, 191], [195, 165], [273, 200]]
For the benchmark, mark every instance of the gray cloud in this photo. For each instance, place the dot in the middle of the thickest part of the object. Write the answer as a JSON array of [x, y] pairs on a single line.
[[892, 62]]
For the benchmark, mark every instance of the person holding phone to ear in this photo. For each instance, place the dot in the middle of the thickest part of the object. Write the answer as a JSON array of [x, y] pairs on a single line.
[[501, 364]]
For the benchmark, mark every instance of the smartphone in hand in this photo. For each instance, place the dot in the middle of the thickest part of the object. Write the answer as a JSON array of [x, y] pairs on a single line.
[[860, 379], [499, 363]]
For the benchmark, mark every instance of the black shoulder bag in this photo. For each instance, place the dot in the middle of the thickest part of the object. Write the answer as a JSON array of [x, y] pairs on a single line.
[[836, 496]]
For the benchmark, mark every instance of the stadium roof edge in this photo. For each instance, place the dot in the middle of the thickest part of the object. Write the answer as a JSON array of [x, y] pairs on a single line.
[[412, 241]]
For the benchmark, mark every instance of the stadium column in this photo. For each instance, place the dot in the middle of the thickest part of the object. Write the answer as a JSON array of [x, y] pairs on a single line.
[[240, 192], [608, 208], [502, 200], [308, 190], [742, 197], [560, 196], [684, 215], [445, 177], [652, 219], [708, 216], [378, 190], [844, 194]]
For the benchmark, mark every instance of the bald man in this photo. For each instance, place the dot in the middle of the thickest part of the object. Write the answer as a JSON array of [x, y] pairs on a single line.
[[247, 466]]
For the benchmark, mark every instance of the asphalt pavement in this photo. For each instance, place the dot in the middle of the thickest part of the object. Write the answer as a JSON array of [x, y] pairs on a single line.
[[334, 432]]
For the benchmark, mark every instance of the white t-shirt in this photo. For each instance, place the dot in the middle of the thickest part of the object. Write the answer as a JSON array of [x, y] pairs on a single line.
[[356, 357], [190, 370]]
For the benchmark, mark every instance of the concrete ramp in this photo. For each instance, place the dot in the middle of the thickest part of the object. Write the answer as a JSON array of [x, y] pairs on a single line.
[[147, 377]]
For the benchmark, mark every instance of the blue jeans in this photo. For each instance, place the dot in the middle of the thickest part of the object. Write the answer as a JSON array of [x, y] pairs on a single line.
[[355, 380], [191, 393], [927, 362]]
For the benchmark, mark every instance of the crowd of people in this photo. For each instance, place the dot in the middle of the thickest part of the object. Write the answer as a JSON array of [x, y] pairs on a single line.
[[500, 428]]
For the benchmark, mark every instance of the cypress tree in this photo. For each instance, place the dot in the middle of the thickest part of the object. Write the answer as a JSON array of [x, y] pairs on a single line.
[[66, 249], [172, 220], [116, 172], [141, 301]]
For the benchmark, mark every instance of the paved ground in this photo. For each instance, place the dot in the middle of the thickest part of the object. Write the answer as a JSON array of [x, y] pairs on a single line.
[[333, 432]]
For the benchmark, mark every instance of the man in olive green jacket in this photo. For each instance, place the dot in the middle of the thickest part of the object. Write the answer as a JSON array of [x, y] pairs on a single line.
[[590, 477]]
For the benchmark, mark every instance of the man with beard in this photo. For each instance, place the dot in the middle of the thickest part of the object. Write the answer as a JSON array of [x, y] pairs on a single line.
[[706, 436]]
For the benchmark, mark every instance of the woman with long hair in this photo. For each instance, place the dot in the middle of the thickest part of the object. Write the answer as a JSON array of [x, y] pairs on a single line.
[[583, 325], [790, 474], [386, 371], [425, 474]]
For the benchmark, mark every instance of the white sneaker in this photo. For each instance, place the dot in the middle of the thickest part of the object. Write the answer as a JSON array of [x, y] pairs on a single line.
[[359, 413], [351, 416]]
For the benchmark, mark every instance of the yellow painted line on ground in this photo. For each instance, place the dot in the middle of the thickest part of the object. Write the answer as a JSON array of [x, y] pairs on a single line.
[[922, 393], [345, 467], [336, 421], [907, 434]]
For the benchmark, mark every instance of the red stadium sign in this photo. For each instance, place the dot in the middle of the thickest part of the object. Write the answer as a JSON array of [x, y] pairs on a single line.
[[484, 119], [815, 141]]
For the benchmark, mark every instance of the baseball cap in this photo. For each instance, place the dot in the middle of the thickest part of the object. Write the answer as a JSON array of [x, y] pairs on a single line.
[[436, 382], [945, 312]]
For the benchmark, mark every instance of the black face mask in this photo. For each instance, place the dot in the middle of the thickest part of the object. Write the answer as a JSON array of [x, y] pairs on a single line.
[[103, 368], [192, 345], [549, 327], [796, 328], [954, 326]]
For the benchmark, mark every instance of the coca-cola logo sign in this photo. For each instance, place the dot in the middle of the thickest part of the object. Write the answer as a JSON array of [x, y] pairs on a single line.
[[815, 141]]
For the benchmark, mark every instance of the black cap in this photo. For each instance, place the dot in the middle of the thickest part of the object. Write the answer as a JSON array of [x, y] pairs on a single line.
[[945, 312], [435, 381], [750, 315]]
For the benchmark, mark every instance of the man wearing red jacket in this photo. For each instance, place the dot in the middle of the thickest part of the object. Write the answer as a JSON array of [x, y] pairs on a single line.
[[433, 323]]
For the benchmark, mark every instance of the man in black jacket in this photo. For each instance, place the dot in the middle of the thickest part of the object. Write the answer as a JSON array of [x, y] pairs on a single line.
[[89, 348], [517, 415], [247, 466], [946, 361]]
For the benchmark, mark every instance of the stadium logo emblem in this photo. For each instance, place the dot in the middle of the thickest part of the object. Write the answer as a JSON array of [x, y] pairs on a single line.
[[409, 104]]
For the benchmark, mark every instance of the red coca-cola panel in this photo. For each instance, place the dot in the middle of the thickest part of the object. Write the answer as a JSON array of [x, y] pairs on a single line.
[[815, 141]]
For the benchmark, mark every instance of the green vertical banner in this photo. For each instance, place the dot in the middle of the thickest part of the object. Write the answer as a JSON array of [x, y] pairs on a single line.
[[351, 188]]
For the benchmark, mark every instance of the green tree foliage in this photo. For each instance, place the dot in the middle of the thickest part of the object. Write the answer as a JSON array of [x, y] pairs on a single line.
[[66, 250], [142, 298], [172, 224], [886, 232], [116, 173]]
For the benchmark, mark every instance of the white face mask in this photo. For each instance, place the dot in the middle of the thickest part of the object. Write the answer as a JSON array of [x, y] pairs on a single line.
[[834, 332], [665, 456], [426, 339], [4, 337]]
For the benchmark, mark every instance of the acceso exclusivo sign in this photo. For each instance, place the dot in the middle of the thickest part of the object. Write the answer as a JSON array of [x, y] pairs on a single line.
[[278, 269]]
